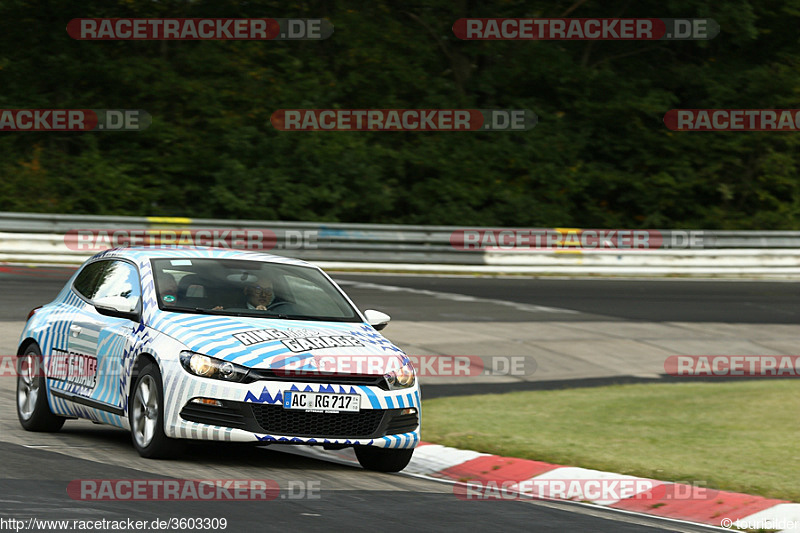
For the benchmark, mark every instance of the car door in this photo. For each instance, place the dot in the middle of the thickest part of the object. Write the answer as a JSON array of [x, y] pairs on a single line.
[[56, 341], [64, 326], [97, 341]]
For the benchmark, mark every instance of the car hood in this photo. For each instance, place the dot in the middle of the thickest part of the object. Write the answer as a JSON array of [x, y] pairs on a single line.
[[275, 343]]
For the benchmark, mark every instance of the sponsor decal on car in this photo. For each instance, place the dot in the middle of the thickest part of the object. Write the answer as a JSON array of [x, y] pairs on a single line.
[[73, 368], [297, 340], [304, 344]]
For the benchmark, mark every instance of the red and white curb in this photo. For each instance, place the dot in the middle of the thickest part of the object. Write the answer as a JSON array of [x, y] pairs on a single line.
[[512, 478]]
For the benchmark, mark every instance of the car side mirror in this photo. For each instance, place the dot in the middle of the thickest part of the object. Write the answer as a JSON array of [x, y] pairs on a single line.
[[376, 319], [118, 306]]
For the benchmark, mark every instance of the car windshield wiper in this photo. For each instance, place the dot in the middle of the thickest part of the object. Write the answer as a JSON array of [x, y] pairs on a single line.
[[269, 315], [323, 318], [228, 312], [254, 314], [280, 316], [178, 309], [200, 310]]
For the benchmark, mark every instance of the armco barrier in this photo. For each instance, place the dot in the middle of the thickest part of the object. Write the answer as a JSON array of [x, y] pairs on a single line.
[[39, 238]]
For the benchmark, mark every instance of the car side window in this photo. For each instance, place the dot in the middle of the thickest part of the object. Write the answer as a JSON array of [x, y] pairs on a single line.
[[88, 280], [119, 280]]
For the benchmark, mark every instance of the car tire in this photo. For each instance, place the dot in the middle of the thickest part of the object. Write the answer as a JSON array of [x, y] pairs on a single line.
[[383, 459], [146, 416], [33, 410]]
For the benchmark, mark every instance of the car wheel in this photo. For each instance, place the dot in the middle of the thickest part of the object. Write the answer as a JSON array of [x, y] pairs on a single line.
[[146, 414], [33, 410], [383, 459]]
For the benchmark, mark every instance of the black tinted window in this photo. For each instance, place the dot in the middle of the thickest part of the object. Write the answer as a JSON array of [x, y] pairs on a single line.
[[252, 288], [87, 281]]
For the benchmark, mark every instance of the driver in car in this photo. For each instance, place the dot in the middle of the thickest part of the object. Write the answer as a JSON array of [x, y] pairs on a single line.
[[259, 294]]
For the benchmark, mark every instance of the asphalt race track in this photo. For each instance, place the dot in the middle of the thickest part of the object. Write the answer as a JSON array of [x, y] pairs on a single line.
[[38, 467], [754, 302]]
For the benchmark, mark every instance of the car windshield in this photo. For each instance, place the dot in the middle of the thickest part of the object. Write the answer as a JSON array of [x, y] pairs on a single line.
[[238, 287]]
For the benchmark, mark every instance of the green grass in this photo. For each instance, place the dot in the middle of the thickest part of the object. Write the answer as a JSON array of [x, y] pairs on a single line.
[[741, 436]]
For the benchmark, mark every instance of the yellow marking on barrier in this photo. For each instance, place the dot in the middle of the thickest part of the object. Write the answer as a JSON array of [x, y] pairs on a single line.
[[169, 220], [560, 251], [168, 230], [569, 236], [164, 236]]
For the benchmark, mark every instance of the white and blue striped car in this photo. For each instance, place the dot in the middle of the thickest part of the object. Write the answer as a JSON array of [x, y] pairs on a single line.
[[225, 345]]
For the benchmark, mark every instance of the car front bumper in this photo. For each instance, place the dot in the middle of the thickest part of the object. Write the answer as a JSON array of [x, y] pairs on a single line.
[[254, 413]]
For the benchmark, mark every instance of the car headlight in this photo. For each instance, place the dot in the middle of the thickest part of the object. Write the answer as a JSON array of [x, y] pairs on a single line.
[[211, 367], [401, 378]]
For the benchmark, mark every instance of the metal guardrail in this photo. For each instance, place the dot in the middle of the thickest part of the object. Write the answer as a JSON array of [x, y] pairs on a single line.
[[342, 232], [40, 238]]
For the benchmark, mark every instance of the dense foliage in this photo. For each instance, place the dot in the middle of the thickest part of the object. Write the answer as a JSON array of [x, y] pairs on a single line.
[[599, 157]]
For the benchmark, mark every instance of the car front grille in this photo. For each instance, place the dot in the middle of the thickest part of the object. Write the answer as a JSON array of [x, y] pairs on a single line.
[[276, 420]]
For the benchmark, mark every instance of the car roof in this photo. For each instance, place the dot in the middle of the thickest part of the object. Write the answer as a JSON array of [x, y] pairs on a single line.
[[145, 253]]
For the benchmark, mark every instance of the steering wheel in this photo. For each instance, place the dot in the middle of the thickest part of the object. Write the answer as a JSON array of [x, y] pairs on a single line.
[[278, 306]]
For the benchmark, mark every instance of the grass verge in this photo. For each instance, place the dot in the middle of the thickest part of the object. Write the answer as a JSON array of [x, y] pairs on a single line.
[[739, 436]]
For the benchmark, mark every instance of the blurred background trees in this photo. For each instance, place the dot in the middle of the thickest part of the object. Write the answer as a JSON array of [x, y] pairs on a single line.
[[599, 157]]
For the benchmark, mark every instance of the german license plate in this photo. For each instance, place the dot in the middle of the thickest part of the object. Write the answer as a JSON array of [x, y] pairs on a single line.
[[322, 402]]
